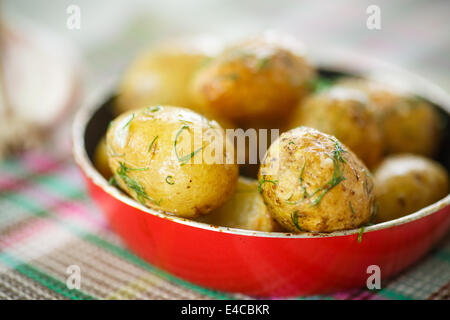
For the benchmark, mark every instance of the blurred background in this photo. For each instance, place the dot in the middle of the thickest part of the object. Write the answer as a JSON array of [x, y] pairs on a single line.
[[48, 70], [414, 34]]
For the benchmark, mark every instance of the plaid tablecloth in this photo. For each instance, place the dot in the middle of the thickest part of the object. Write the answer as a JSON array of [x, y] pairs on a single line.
[[48, 223]]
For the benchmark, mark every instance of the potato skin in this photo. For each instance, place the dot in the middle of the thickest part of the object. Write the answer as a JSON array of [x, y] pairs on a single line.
[[346, 114], [101, 159], [244, 210], [161, 75], [146, 148], [258, 81], [312, 182], [406, 183], [409, 124]]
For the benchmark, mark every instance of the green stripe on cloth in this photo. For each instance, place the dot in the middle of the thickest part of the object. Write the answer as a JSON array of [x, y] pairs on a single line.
[[50, 179], [34, 208], [43, 278]]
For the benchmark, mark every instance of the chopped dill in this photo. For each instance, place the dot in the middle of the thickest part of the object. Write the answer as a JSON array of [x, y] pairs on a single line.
[[338, 174], [264, 181], [294, 217], [113, 182], [231, 76], [153, 109], [152, 143], [134, 185], [263, 63], [185, 159], [169, 180], [321, 84], [361, 231], [129, 121], [305, 193], [351, 208]]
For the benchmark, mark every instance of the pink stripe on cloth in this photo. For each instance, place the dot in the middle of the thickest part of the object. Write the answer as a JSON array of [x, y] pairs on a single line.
[[33, 227], [8, 182], [76, 212], [38, 162]]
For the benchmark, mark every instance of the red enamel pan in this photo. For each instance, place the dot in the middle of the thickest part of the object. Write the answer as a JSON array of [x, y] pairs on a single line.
[[261, 263]]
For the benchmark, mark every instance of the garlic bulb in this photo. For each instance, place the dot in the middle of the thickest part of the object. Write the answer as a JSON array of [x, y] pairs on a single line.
[[38, 82]]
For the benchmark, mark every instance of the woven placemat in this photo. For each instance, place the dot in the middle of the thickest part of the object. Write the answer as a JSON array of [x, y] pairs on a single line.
[[48, 222]]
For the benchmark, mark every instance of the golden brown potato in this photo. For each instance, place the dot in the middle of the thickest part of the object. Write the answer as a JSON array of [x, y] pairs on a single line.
[[406, 183], [161, 75], [169, 158], [346, 114], [244, 210], [258, 81], [101, 159], [312, 182], [409, 124]]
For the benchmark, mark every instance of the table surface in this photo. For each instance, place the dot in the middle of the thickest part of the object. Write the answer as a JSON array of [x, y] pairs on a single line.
[[48, 222]]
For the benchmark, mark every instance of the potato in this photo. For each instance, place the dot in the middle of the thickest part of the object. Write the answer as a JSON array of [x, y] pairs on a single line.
[[406, 183], [409, 124], [312, 182], [244, 210], [348, 115], [259, 81], [172, 159], [161, 75], [101, 159]]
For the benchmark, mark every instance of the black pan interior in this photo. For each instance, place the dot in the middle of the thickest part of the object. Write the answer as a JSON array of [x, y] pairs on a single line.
[[97, 125]]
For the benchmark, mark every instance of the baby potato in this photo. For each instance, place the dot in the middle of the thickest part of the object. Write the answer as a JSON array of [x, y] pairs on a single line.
[[172, 159], [406, 183], [101, 159], [348, 115], [161, 75], [409, 124], [244, 210], [312, 182], [259, 80]]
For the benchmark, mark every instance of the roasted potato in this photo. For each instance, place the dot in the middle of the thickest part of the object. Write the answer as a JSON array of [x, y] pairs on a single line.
[[405, 183], [172, 159], [161, 75], [101, 159], [409, 124], [312, 182], [244, 210], [254, 83], [346, 114]]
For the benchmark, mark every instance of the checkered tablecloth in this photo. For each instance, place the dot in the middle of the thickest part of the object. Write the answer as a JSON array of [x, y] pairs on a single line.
[[48, 223]]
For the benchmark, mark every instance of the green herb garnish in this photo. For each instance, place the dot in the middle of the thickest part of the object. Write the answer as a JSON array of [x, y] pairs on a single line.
[[305, 193], [361, 231], [134, 185], [264, 181], [113, 182], [151, 144], [129, 121], [294, 217], [169, 180], [187, 157], [351, 207], [262, 63], [153, 109], [230, 76], [321, 84], [338, 174]]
